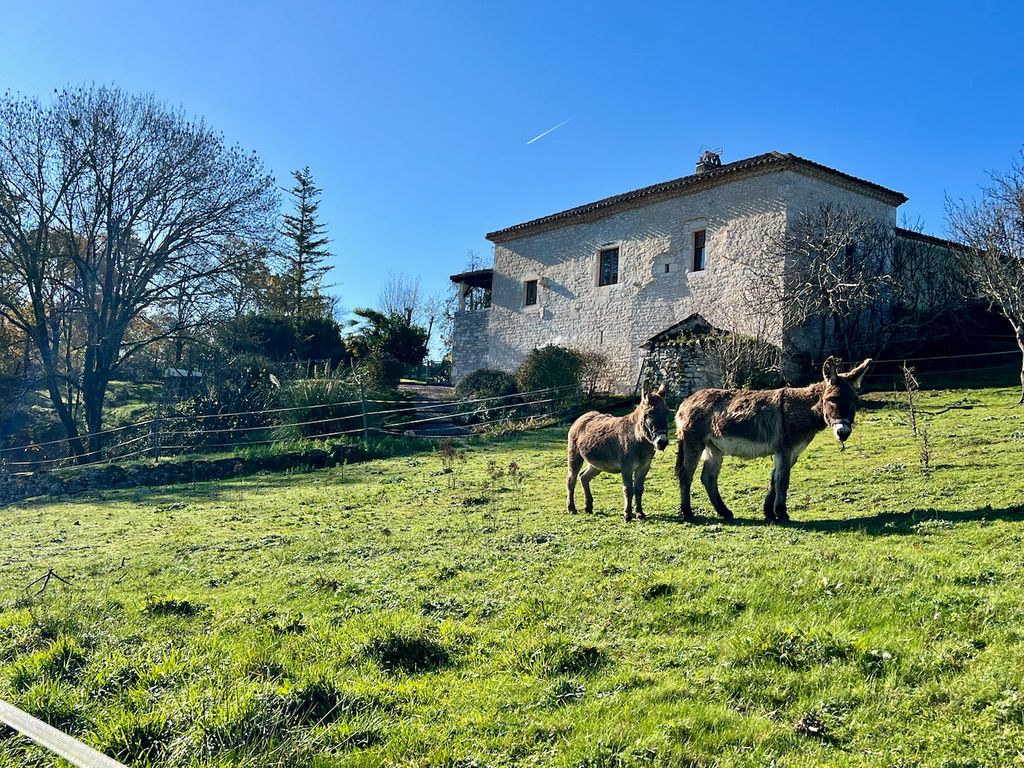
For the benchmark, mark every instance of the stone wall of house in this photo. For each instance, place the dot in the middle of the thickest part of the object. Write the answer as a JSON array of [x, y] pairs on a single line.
[[472, 340], [657, 286]]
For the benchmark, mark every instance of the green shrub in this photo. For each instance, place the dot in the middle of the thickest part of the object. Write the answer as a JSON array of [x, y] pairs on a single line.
[[381, 371], [229, 409], [277, 338], [487, 382], [484, 384], [333, 403], [555, 368]]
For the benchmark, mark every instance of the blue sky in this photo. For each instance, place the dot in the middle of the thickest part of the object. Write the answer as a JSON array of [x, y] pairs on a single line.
[[415, 117]]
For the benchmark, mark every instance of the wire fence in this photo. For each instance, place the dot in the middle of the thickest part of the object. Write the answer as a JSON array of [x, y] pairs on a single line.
[[179, 433], [175, 434], [884, 373]]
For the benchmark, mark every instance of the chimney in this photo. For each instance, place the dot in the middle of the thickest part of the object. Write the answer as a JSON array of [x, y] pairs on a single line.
[[709, 160]]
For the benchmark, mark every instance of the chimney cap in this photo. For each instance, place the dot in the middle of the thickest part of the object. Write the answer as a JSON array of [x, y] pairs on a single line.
[[709, 159]]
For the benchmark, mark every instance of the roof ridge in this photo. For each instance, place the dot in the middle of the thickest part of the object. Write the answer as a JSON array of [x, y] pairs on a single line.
[[771, 157]]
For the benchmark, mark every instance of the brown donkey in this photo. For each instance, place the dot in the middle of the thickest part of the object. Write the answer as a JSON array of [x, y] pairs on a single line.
[[713, 423], [623, 444]]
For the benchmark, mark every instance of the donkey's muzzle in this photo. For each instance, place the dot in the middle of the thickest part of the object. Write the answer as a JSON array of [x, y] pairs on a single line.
[[661, 442], [842, 430]]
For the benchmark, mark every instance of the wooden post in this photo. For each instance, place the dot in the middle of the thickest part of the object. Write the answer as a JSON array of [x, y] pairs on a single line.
[[362, 400], [156, 433]]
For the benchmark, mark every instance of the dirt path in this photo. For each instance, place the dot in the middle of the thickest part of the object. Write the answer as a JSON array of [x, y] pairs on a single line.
[[426, 395]]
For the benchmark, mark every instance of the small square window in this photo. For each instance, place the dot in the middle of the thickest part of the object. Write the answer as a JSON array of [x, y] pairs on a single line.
[[529, 293], [699, 243], [668, 268], [608, 273]]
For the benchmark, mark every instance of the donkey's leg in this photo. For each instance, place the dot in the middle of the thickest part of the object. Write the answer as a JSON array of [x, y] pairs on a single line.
[[638, 489], [589, 471], [709, 477], [627, 491], [769, 500], [575, 462], [686, 466], [780, 479]]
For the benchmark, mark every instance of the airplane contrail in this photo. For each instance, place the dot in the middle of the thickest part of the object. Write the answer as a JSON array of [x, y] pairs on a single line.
[[549, 130]]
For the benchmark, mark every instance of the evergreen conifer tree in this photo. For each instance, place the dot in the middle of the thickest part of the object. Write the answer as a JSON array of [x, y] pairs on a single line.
[[304, 254]]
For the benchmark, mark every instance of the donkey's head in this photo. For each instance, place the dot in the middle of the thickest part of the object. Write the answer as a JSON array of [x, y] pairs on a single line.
[[654, 417], [839, 397]]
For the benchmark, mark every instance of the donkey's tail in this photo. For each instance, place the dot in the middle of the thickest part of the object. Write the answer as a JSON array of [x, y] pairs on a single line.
[[680, 453]]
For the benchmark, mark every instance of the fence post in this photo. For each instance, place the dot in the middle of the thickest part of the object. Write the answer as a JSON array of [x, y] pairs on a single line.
[[156, 433], [362, 400]]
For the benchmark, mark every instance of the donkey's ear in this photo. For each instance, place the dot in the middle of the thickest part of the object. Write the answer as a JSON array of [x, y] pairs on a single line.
[[660, 391], [830, 370], [646, 390], [856, 376]]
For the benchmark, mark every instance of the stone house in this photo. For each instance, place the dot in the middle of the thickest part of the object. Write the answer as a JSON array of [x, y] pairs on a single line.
[[614, 274]]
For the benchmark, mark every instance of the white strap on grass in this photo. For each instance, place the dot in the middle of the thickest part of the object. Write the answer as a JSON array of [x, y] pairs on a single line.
[[58, 742]]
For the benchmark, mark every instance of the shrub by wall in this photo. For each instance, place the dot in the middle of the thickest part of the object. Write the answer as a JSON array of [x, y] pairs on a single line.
[[486, 382], [557, 368], [483, 384]]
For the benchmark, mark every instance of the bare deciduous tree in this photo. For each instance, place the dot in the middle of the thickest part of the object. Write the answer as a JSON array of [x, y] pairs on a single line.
[[839, 283], [992, 232], [246, 283], [401, 296], [112, 202], [738, 360], [840, 280]]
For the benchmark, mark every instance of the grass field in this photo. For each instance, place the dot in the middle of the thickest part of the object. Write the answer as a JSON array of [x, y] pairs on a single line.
[[392, 614]]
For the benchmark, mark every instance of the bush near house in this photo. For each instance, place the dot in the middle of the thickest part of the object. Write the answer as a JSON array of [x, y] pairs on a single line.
[[494, 388], [381, 370], [486, 382], [572, 374]]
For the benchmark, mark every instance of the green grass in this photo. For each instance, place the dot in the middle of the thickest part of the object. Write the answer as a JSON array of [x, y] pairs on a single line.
[[130, 402], [390, 614]]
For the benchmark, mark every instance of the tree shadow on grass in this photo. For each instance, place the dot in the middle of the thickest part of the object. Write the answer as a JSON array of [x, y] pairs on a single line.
[[915, 521], [220, 489]]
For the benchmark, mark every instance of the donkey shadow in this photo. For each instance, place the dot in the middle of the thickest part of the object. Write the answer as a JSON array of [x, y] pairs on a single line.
[[881, 524]]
